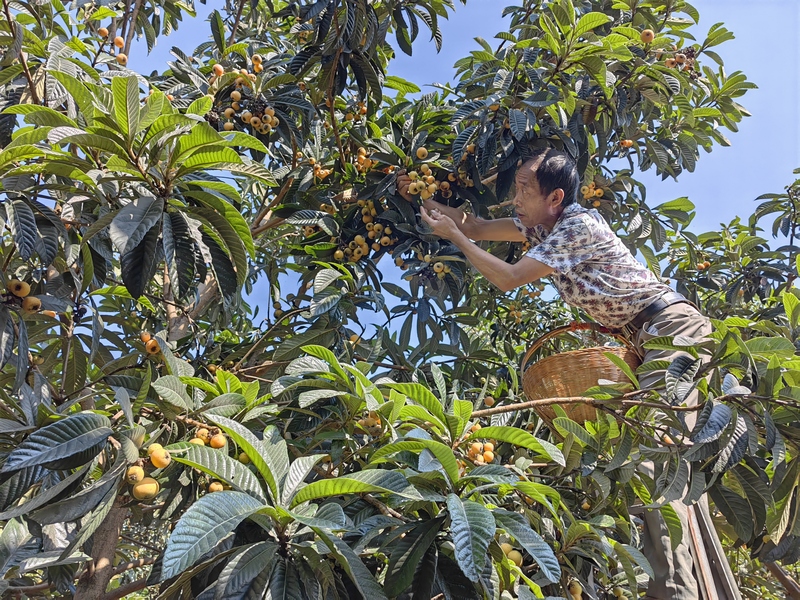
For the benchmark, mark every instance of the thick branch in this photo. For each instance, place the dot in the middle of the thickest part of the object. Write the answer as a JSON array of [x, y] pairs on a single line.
[[92, 586], [132, 25], [579, 400], [236, 22]]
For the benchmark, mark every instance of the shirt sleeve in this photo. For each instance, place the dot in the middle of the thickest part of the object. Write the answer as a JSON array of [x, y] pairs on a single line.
[[522, 229], [567, 246]]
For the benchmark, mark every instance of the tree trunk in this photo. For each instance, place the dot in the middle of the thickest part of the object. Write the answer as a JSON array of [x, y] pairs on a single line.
[[93, 584]]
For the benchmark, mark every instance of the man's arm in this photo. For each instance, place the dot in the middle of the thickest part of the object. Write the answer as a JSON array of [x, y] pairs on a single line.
[[502, 274], [475, 228]]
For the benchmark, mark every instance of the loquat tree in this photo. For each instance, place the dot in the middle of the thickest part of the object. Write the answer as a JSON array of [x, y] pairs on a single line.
[[160, 437]]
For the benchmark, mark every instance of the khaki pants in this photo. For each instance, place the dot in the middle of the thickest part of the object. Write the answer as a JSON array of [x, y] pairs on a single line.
[[682, 574]]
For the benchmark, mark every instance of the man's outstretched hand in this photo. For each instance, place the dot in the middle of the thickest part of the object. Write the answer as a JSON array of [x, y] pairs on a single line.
[[442, 225]]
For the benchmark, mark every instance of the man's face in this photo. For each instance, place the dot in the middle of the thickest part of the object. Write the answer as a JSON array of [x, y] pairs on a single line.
[[532, 207]]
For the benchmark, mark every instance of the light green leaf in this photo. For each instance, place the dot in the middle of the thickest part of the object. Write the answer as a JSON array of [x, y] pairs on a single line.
[[378, 481], [443, 453], [126, 104], [424, 397], [590, 21], [250, 445], [523, 439], [220, 466]]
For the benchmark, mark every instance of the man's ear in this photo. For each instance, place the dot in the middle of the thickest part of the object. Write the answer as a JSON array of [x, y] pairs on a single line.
[[556, 198]]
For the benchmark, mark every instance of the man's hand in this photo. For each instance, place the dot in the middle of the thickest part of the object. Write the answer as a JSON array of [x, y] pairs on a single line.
[[442, 225], [403, 182]]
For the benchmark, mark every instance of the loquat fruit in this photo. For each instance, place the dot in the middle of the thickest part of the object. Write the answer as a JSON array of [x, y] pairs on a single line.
[[119, 41], [218, 441], [488, 456], [146, 489], [422, 153], [244, 459], [145, 337], [218, 70], [102, 32], [215, 486], [160, 459], [152, 347], [154, 448], [31, 304], [122, 59], [19, 288], [236, 95], [134, 474], [197, 441], [515, 556], [489, 401], [647, 36]]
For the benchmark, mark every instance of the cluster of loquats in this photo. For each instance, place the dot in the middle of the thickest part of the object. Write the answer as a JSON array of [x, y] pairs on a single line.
[[702, 266], [18, 295], [363, 162], [592, 191], [320, 172], [575, 589], [371, 423], [512, 553], [515, 312], [212, 437], [151, 344], [481, 453], [424, 183], [439, 268]]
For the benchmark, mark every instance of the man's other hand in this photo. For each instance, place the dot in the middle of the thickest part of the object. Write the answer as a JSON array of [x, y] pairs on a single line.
[[403, 183], [442, 225]]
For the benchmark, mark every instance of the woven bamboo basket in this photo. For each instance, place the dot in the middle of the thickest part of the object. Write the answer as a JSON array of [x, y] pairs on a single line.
[[570, 374]]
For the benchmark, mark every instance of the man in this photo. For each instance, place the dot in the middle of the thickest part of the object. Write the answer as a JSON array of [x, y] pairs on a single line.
[[592, 269]]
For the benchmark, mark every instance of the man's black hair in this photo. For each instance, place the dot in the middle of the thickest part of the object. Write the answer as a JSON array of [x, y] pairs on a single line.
[[556, 170]]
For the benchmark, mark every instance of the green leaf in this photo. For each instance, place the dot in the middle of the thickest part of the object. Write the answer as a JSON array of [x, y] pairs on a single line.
[[138, 264], [523, 439], [406, 554], [543, 494], [235, 221], [22, 223], [379, 481], [401, 85], [298, 471], [424, 397], [133, 221], [736, 510], [44, 497], [443, 453], [519, 528], [565, 425], [40, 115], [200, 106], [472, 527], [202, 526], [765, 347], [251, 446], [126, 104], [588, 22], [623, 366], [352, 565], [252, 169], [240, 577], [220, 466], [74, 435], [16, 543], [674, 526]]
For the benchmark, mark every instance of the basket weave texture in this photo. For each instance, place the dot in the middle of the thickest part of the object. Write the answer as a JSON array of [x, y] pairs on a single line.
[[570, 374]]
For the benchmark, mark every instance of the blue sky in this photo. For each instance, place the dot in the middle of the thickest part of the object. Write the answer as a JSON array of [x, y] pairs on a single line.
[[726, 182]]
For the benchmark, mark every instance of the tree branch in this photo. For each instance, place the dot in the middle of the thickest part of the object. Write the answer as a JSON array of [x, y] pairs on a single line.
[[22, 61]]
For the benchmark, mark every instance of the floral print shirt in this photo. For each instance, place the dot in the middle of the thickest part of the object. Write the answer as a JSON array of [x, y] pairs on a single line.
[[594, 270]]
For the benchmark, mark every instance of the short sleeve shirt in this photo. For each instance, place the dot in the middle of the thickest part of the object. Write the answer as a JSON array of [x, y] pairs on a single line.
[[593, 269]]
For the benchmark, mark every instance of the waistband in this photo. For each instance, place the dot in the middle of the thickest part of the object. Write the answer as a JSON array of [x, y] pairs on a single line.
[[659, 304]]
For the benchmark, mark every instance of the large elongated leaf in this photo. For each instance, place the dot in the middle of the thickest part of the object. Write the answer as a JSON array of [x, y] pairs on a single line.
[[43, 497], [220, 466], [424, 397], [516, 525], [352, 565], [389, 482], [298, 471], [443, 453], [133, 221], [139, 264], [472, 527], [202, 526], [240, 576], [251, 446], [518, 437], [22, 223], [57, 441], [736, 510], [126, 103], [406, 553]]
